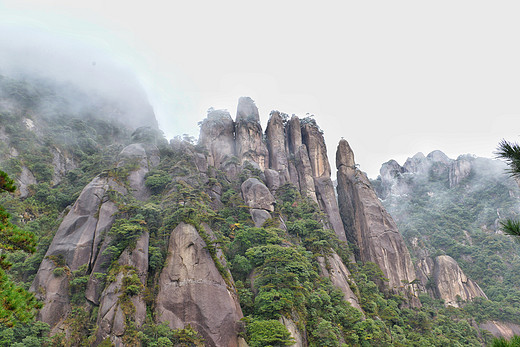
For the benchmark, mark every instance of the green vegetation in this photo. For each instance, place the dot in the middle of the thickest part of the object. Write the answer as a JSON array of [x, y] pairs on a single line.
[[462, 222], [16, 304]]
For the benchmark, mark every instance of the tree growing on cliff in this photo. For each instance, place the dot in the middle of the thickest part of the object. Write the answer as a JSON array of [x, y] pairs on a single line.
[[16, 304], [510, 152]]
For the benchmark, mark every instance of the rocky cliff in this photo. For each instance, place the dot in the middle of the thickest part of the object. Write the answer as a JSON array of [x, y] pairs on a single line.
[[175, 243], [370, 227], [445, 280]]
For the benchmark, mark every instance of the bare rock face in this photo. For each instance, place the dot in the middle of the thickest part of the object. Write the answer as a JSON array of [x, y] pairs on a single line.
[[449, 281], [369, 226], [62, 164], [24, 181], [439, 157], [293, 330], [217, 135], [459, 170], [275, 134], [257, 196], [80, 239], [313, 138], [416, 164], [248, 135], [111, 317], [304, 170], [501, 329], [192, 291], [340, 277]]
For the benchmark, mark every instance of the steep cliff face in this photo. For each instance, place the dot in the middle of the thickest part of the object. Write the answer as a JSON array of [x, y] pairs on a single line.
[[82, 236], [192, 291], [369, 226], [446, 280]]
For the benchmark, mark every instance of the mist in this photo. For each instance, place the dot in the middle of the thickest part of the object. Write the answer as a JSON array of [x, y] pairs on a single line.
[[80, 72]]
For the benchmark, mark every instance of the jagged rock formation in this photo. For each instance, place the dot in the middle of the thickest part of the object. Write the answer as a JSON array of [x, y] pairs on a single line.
[[81, 237], [445, 280], [248, 133], [369, 226], [292, 152], [192, 291]]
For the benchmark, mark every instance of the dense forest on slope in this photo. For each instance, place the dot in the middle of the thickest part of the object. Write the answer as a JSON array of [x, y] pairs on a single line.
[[160, 211], [443, 209]]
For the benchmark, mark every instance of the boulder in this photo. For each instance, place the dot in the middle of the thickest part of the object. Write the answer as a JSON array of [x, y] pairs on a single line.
[[256, 195]]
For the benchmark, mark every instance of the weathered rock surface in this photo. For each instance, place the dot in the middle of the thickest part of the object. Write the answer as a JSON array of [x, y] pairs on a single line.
[[80, 239], [304, 170], [448, 282], [192, 291], [501, 329], [459, 170], [256, 195], [313, 138], [417, 163], [249, 141], [275, 134], [369, 226], [24, 181], [111, 316], [295, 333], [61, 164], [340, 277], [217, 135]]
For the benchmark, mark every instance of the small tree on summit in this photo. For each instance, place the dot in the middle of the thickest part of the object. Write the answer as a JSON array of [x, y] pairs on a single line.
[[510, 152], [16, 304]]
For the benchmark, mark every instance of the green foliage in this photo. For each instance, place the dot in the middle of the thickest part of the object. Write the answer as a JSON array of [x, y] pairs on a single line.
[[502, 342], [261, 333], [160, 335], [157, 180], [124, 235]]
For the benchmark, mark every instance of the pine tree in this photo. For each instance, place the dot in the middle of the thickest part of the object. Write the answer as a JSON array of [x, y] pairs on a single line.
[[16, 304], [510, 152]]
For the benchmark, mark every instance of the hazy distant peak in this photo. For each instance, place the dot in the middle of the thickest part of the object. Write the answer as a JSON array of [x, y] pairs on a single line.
[[439, 156]]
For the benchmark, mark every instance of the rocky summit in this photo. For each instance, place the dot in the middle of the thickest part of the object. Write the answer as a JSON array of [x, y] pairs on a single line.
[[241, 238]]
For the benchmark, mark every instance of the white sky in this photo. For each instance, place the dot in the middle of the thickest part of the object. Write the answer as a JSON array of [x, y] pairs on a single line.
[[392, 77]]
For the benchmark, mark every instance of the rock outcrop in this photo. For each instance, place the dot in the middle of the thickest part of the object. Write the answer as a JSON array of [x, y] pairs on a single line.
[[217, 135], [113, 311], [82, 236], [276, 144], [340, 277], [193, 291], [459, 170], [369, 226], [444, 278], [249, 141], [501, 329]]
